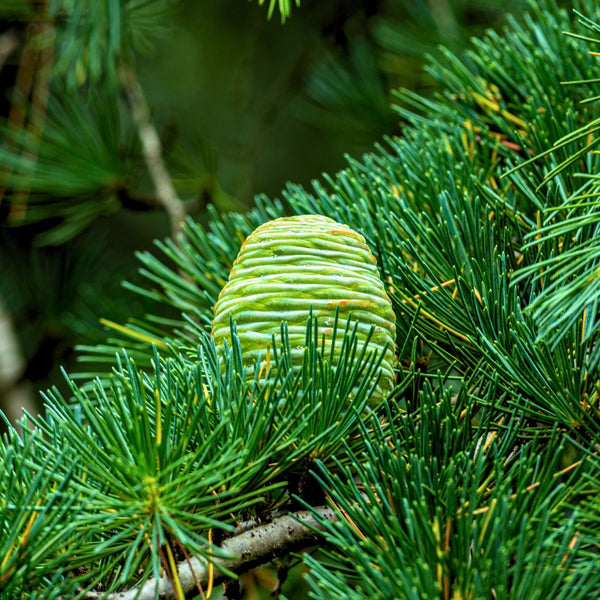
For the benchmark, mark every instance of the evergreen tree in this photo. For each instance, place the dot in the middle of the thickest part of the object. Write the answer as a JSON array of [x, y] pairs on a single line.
[[477, 476]]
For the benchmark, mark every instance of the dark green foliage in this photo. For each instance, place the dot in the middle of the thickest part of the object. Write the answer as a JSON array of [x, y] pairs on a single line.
[[352, 88], [73, 173], [96, 36], [442, 511], [145, 463], [478, 477], [33, 509]]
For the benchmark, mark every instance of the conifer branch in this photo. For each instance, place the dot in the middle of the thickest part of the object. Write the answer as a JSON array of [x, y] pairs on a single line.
[[248, 549], [152, 151]]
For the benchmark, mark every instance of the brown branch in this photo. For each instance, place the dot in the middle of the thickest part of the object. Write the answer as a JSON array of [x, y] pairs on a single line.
[[32, 85], [247, 550], [24, 80], [152, 151], [39, 102], [20, 96]]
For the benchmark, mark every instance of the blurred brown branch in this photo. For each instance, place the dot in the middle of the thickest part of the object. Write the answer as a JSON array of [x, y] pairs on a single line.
[[32, 84]]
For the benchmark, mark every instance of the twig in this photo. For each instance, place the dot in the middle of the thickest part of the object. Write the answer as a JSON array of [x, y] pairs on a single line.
[[248, 549], [152, 151]]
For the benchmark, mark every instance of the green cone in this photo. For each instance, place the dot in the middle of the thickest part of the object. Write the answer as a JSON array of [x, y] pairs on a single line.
[[291, 266]]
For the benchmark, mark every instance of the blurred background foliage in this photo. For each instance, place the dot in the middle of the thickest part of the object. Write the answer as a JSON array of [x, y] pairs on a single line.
[[242, 103]]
